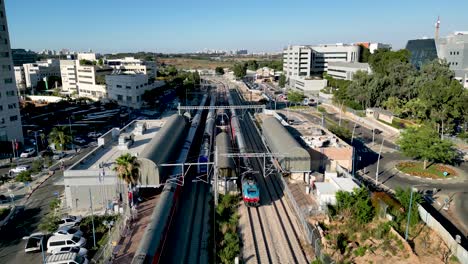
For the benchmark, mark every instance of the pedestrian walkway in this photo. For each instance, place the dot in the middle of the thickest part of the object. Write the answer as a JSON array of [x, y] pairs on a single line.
[[130, 241]]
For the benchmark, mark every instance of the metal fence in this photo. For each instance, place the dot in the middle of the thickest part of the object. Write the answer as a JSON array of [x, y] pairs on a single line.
[[312, 233], [105, 253]]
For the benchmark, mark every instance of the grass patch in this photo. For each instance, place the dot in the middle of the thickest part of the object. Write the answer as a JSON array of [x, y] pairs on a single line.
[[433, 171], [300, 107], [4, 212]]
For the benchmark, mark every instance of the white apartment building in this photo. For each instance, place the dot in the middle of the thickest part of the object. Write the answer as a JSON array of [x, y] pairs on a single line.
[[454, 49], [10, 118], [132, 65], [127, 88], [346, 70], [69, 76], [91, 80], [35, 72]]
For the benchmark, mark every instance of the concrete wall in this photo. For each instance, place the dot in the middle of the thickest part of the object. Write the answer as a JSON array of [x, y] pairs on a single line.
[[457, 249]]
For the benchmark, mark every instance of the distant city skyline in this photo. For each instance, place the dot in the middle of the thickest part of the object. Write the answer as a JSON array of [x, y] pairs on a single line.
[[185, 26]]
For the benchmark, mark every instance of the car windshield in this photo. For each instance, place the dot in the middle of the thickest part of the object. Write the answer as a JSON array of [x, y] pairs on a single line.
[[75, 239], [72, 231]]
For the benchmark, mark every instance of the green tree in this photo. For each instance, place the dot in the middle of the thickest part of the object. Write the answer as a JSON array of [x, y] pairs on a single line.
[[364, 54], [252, 65], [127, 168], [359, 204], [100, 62], [24, 176], [404, 196], [219, 70], [424, 143], [282, 81], [240, 70], [341, 132], [60, 137], [295, 97]]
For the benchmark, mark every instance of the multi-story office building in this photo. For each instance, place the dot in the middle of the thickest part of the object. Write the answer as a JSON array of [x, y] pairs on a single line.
[[127, 88], [10, 118], [35, 72], [91, 80], [69, 76], [22, 56], [454, 49], [305, 65], [131, 65], [346, 70], [422, 51], [307, 61]]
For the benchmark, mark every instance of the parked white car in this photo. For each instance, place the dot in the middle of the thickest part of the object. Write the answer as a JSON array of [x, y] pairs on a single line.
[[79, 140], [56, 242], [68, 258], [58, 155], [68, 230], [19, 169], [34, 242], [29, 152], [69, 221], [79, 250]]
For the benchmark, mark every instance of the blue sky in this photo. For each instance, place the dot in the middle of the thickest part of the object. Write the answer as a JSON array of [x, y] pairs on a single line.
[[257, 25]]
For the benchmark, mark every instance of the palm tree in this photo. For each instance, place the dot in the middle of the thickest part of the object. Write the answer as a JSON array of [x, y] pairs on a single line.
[[60, 137], [127, 168]]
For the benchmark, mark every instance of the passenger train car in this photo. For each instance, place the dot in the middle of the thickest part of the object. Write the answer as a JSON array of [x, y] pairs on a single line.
[[207, 140]]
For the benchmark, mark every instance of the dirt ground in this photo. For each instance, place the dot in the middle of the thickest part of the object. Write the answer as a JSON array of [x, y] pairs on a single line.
[[366, 246]]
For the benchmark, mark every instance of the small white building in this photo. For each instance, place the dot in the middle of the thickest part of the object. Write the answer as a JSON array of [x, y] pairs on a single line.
[[20, 78], [127, 88], [309, 87], [35, 72], [91, 80], [326, 191], [375, 46], [346, 70]]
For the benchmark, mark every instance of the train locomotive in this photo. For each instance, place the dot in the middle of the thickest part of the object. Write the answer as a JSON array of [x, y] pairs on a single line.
[[250, 191]]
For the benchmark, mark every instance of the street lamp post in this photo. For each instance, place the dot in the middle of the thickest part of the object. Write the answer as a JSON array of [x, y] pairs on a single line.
[[37, 144], [378, 163], [71, 134], [341, 110], [352, 136], [373, 130], [409, 209]]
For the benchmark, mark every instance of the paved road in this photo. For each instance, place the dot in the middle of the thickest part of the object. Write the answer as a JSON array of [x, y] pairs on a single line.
[[11, 243], [391, 178]]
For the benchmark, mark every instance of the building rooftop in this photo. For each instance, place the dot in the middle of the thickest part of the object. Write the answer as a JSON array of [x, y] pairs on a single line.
[[325, 187], [108, 148]]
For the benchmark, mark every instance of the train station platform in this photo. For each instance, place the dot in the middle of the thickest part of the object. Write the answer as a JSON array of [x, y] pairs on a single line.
[[128, 245]]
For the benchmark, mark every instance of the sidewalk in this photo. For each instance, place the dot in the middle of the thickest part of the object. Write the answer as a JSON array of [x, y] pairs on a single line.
[[388, 131]]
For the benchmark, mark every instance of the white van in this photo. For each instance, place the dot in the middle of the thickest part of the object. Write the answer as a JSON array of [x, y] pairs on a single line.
[[66, 258], [60, 241]]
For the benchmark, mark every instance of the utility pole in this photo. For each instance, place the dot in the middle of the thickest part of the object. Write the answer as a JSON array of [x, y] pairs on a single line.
[[378, 163], [92, 217], [215, 176], [37, 144]]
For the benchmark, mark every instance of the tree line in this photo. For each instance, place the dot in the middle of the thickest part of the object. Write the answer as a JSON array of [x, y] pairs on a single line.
[[240, 69], [430, 94]]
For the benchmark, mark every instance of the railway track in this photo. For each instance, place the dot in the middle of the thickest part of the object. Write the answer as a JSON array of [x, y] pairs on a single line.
[[281, 239]]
